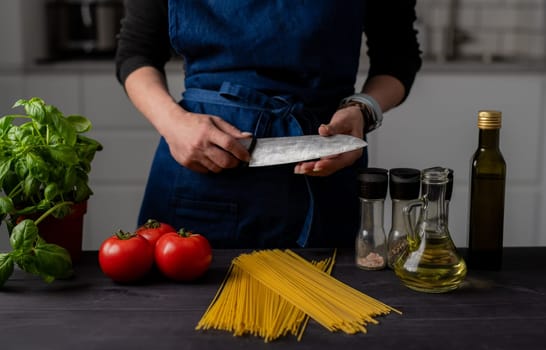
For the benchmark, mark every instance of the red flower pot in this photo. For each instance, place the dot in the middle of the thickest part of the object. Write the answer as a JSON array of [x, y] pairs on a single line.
[[66, 232]]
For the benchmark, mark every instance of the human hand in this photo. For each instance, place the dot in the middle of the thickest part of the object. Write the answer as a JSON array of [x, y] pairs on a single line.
[[204, 143], [348, 120]]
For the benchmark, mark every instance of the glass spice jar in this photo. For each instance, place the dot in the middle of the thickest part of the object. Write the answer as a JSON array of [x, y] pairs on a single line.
[[371, 245]]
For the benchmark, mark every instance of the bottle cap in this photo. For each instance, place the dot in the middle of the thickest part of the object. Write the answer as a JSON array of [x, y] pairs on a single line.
[[404, 183], [489, 119], [373, 183]]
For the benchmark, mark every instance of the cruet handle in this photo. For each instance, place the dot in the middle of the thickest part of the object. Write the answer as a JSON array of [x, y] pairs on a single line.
[[412, 237]]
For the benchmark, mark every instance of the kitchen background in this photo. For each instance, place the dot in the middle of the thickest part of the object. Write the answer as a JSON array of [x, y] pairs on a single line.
[[479, 54]]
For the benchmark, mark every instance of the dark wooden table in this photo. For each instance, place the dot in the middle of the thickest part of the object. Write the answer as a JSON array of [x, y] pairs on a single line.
[[492, 310]]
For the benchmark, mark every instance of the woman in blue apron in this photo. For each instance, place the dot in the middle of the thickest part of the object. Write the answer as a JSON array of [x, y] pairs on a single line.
[[266, 69]]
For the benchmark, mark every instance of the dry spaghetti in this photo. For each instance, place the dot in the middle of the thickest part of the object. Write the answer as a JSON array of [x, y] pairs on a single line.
[[272, 293]]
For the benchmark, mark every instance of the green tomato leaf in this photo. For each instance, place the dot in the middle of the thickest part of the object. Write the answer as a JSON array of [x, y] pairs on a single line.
[[6, 205], [24, 235], [52, 260], [80, 123], [6, 268]]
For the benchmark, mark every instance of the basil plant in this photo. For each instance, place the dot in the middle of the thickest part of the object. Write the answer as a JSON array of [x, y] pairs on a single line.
[[44, 164]]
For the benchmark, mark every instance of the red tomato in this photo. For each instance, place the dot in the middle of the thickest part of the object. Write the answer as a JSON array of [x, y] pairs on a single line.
[[182, 255], [126, 257], [153, 229]]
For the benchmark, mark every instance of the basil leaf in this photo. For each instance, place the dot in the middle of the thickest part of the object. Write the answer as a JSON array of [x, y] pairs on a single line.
[[20, 102], [83, 191], [35, 108], [9, 182], [65, 129], [51, 191], [5, 124], [61, 211], [64, 154], [6, 205], [80, 123], [30, 186], [70, 178], [15, 133], [5, 166], [24, 235], [26, 261], [21, 168], [43, 205], [37, 167], [6, 267], [52, 260]]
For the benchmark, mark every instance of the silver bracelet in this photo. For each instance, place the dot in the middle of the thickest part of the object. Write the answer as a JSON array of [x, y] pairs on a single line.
[[372, 120]]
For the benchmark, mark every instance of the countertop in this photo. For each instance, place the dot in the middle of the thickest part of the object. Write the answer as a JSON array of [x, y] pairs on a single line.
[[492, 310]]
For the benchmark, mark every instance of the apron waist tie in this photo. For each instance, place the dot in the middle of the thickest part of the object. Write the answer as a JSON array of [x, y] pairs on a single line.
[[281, 106]]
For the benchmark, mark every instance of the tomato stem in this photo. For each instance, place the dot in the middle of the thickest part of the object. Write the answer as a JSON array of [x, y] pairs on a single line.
[[184, 233], [152, 223], [124, 235]]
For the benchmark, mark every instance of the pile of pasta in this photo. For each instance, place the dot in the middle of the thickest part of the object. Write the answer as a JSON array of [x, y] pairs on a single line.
[[272, 293]]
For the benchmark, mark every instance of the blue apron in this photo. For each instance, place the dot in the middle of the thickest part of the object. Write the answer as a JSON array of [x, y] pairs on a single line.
[[273, 68]]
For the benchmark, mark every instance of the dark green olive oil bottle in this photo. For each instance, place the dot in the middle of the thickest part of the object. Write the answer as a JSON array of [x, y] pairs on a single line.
[[487, 192]]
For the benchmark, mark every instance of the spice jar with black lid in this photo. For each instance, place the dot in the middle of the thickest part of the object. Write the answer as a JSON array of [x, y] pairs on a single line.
[[404, 186], [371, 242]]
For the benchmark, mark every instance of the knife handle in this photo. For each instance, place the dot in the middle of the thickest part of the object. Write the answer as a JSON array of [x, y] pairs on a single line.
[[250, 148]]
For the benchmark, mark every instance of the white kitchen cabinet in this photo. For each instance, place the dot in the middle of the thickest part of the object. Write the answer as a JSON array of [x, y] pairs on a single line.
[[120, 170], [105, 102], [61, 90], [437, 125]]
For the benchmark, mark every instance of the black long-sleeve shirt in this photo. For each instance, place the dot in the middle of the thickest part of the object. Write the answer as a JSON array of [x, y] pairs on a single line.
[[391, 39]]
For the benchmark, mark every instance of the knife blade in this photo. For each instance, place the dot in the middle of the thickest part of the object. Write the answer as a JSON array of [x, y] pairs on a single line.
[[292, 149]]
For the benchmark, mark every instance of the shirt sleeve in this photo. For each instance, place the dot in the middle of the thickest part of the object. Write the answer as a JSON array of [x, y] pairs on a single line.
[[391, 40], [144, 37]]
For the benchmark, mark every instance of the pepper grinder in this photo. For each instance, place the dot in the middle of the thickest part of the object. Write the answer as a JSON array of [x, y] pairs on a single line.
[[371, 242]]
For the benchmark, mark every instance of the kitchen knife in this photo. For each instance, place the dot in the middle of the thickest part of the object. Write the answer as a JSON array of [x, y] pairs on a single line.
[[292, 149]]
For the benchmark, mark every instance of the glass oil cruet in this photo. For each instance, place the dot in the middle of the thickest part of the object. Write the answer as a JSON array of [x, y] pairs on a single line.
[[431, 263]]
